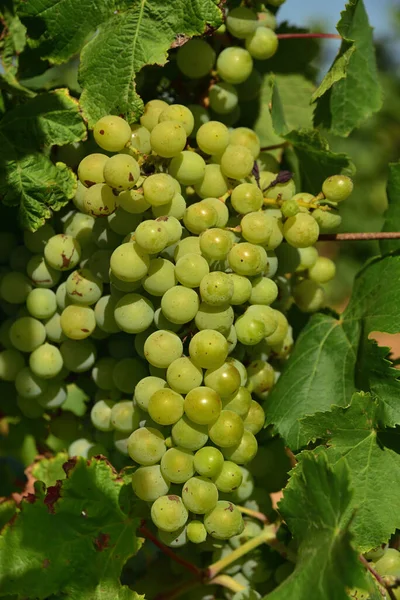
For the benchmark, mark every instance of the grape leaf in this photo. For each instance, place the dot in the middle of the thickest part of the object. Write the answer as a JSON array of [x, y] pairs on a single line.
[[392, 215], [12, 43], [321, 371], [49, 470], [28, 178], [327, 562], [76, 401], [73, 537], [350, 92], [352, 435], [8, 509]]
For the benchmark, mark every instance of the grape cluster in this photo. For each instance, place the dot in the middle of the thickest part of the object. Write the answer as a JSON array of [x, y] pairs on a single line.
[[168, 283], [385, 562]]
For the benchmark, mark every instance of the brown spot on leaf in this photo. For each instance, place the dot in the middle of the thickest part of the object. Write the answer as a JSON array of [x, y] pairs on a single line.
[[69, 465], [102, 541], [45, 563], [53, 494]]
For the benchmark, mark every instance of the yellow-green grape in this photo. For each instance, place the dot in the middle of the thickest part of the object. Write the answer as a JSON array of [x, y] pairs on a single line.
[[195, 59], [309, 296], [250, 329], [133, 313], [78, 199], [90, 169], [11, 363], [159, 189], [239, 403], [323, 270], [221, 210], [151, 236], [125, 417], [27, 334], [216, 288], [198, 217], [389, 564], [327, 220], [100, 415], [261, 228], [263, 291], [337, 188], [199, 495], [213, 137], [224, 521], [190, 269], [225, 380], [80, 226], [148, 483], [175, 208], [112, 133], [180, 304], [208, 349], [308, 258], [244, 451], [189, 245], [208, 461], [100, 200], [15, 287], [243, 136], [223, 98], [28, 384], [183, 375], [77, 322], [189, 435], [187, 167], [173, 227], [162, 348], [261, 377], [145, 388], [46, 361], [140, 139], [161, 322], [160, 277], [247, 198], [196, 532], [121, 172], [133, 201], [255, 418], [165, 406], [174, 539], [301, 230], [247, 259], [54, 396], [281, 330], [241, 289], [168, 513], [104, 314], [168, 139], [283, 191], [236, 162], [179, 113], [83, 287], [214, 184], [227, 430], [202, 405], [218, 318], [229, 478], [234, 64], [177, 465], [78, 356], [241, 22], [129, 262], [245, 489], [62, 252], [152, 111], [146, 446], [262, 44], [216, 243]]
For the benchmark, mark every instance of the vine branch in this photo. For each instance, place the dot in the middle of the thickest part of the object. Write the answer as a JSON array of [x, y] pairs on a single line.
[[359, 237], [292, 36], [379, 579]]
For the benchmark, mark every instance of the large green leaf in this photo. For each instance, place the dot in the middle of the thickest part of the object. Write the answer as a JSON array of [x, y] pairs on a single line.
[[327, 563], [353, 437], [322, 369], [350, 92], [392, 215], [73, 537], [12, 43]]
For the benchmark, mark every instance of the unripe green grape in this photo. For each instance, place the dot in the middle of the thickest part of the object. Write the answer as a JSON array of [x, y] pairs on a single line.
[[198, 217], [169, 513], [264, 291], [127, 373], [162, 348], [247, 259], [266, 19], [41, 303], [216, 243], [183, 375], [234, 64], [151, 236], [173, 228], [389, 564], [100, 200], [262, 228], [112, 133], [208, 461], [309, 296], [281, 329], [159, 189], [140, 139], [229, 478], [174, 539], [177, 465], [160, 277], [241, 22], [148, 483], [121, 172], [125, 416], [168, 139], [196, 532], [103, 236], [54, 396], [28, 384], [187, 167], [240, 403], [189, 245], [151, 114], [78, 356], [213, 137], [80, 226], [180, 304], [195, 58], [189, 435], [290, 208], [214, 183], [99, 264], [244, 451], [223, 98], [202, 405], [46, 361], [175, 208], [255, 418], [244, 492], [77, 322], [180, 114], [90, 169], [62, 252], [11, 363], [216, 288], [243, 136], [165, 406], [237, 162], [327, 220], [308, 258], [241, 289], [199, 495], [146, 446], [133, 313], [27, 334], [250, 329], [227, 430], [161, 322], [224, 521], [100, 415], [262, 44], [218, 318], [133, 201], [83, 287], [104, 314], [190, 270], [145, 388], [301, 230], [267, 162], [261, 377], [246, 198], [225, 380], [129, 262], [208, 349], [221, 210], [337, 188], [102, 373], [323, 270]]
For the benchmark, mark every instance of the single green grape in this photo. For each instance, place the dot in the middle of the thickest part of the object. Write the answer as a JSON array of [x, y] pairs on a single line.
[[198, 217], [213, 137], [80, 226], [227, 430], [125, 416], [202, 405], [174, 539], [100, 415], [236, 162], [162, 348], [247, 259], [112, 133], [27, 334], [133, 313], [148, 483], [189, 435], [239, 403], [244, 136], [180, 304], [229, 478], [62, 252], [223, 98], [100, 200], [165, 406], [262, 44], [309, 295], [214, 183], [168, 139], [15, 287], [308, 258], [224, 521], [151, 113], [208, 349], [262, 228], [301, 230], [175, 208], [133, 201], [187, 167], [11, 363], [179, 113], [246, 198], [28, 384], [241, 22], [46, 361], [183, 375], [323, 270], [225, 380], [221, 210], [242, 289], [77, 322], [104, 314], [196, 58], [83, 287], [189, 245], [218, 318], [129, 262], [245, 490], [216, 243], [199, 495], [337, 188], [168, 513], [244, 451], [121, 172], [216, 288], [159, 189], [160, 277], [140, 139], [146, 446], [255, 418], [263, 291], [78, 356], [196, 532], [79, 447], [389, 564], [40, 273], [250, 329], [177, 465], [208, 461], [190, 269], [145, 388], [90, 169], [261, 377], [327, 220], [234, 64]]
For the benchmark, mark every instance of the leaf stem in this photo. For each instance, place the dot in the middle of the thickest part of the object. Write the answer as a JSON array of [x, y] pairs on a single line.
[[359, 237], [274, 146], [379, 579], [227, 582], [292, 36]]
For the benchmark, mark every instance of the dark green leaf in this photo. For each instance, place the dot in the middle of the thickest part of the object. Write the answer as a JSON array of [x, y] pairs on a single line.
[[392, 215]]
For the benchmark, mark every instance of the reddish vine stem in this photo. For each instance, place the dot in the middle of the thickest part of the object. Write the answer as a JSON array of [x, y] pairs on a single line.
[[274, 146], [292, 36], [357, 237], [146, 533], [379, 579]]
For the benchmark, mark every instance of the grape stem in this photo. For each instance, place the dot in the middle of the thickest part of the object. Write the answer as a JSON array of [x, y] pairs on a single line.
[[379, 579], [146, 533], [359, 237], [254, 513], [276, 202], [292, 36], [227, 582]]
